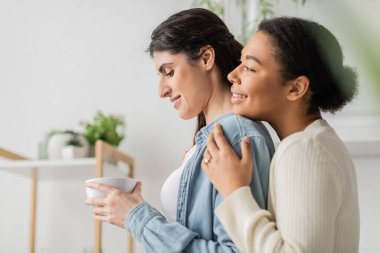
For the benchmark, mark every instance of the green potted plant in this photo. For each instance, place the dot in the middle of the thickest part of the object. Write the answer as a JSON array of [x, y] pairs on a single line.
[[109, 128]]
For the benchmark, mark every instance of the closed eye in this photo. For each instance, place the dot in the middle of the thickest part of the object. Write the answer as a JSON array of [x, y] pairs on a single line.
[[170, 73], [249, 69]]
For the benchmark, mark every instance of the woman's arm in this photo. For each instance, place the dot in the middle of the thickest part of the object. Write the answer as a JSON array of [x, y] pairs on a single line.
[[305, 197], [157, 235], [146, 224]]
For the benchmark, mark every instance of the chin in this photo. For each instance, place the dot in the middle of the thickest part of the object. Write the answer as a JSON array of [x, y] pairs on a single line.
[[245, 113], [239, 111], [186, 116]]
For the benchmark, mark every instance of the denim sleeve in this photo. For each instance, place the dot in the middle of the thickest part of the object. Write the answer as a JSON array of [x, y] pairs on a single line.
[[222, 241], [157, 235]]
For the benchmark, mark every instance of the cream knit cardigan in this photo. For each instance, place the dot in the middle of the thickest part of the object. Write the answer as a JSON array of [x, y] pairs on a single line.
[[313, 200]]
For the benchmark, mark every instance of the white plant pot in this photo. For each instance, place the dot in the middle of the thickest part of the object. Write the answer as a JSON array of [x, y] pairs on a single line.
[[55, 145], [72, 152], [58, 141]]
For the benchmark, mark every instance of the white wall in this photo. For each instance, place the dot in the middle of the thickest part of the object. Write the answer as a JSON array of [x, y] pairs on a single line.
[[60, 61]]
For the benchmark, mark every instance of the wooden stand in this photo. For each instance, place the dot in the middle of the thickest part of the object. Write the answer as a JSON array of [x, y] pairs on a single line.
[[103, 151], [33, 197]]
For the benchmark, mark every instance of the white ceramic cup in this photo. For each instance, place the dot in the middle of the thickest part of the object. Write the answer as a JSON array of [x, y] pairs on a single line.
[[125, 184]]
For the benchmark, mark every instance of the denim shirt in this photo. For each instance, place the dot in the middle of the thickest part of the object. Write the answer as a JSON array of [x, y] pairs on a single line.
[[197, 229]]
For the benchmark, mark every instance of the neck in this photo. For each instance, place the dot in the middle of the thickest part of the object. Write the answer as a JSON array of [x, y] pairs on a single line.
[[219, 103], [293, 123]]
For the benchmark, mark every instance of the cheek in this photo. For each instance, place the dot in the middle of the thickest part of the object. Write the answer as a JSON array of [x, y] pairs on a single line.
[[258, 101], [196, 90], [262, 88], [194, 102]]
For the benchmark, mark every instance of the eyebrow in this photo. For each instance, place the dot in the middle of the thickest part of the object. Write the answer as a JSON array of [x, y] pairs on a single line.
[[250, 57], [161, 68]]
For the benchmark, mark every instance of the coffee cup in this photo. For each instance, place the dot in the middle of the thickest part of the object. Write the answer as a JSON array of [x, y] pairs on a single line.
[[125, 184]]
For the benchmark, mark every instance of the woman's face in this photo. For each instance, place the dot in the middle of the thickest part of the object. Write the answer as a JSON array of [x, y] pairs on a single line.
[[186, 85], [257, 90]]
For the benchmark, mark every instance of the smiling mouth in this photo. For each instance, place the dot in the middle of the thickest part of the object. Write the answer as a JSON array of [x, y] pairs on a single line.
[[239, 96], [175, 100]]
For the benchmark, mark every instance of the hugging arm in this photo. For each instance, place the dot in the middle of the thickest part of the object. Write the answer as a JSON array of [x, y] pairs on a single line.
[[303, 191], [228, 172]]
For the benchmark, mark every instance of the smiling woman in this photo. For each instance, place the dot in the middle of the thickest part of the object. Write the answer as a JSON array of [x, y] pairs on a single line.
[[291, 70], [193, 52], [259, 100], [186, 85]]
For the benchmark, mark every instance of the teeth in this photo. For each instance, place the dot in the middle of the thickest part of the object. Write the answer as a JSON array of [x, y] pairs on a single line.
[[238, 95]]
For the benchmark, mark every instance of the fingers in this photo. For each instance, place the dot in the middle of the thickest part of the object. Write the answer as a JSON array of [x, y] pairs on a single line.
[[245, 149], [137, 189], [103, 218], [207, 156], [96, 202], [211, 145], [100, 211], [101, 187], [220, 139]]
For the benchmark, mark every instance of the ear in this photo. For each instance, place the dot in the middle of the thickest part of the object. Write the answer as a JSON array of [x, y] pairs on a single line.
[[207, 57], [298, 88]]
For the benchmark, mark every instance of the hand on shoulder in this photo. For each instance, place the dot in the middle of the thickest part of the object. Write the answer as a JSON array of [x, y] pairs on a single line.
[[222, 165]]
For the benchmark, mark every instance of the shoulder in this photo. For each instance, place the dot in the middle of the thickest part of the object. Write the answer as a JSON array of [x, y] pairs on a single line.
[[317, 148], [238, 126], [319, 138], [299, 145]]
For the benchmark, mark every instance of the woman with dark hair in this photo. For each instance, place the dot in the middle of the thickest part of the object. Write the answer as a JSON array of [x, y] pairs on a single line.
[[193, 52], [291, 70]]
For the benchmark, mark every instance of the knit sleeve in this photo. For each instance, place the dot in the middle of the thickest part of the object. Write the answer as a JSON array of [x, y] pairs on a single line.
[[305, 191]]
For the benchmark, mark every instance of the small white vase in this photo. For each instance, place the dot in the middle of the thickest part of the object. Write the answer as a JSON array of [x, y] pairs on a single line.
[[72, 152], [57, 142], [55, 145]]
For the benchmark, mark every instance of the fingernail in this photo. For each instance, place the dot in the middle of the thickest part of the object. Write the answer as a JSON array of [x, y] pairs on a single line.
[[247, 139]]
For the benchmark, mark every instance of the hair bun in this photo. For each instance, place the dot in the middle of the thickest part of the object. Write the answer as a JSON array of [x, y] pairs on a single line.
[[348, 84]]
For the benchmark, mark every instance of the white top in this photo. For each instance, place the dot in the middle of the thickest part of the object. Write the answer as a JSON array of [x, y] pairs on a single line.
[[169, 190], [313, 199]]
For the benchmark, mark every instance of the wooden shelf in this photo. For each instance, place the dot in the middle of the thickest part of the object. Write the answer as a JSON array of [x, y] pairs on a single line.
[[83, 168], [37, 170]]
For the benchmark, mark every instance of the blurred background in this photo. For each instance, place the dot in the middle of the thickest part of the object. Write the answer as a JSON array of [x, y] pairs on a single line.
[[63, 60]]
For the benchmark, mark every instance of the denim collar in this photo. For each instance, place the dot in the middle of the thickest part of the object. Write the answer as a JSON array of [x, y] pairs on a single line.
[[205, 131]]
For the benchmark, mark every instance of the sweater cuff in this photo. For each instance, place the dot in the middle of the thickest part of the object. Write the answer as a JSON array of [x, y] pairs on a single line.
[[232, 207], [138, 218]]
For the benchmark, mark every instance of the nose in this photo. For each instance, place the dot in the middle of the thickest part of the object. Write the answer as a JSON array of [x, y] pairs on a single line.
[[163, 90], [233, 76]]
